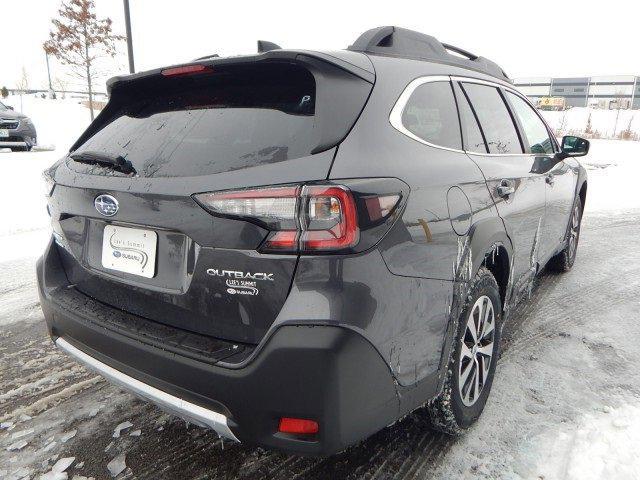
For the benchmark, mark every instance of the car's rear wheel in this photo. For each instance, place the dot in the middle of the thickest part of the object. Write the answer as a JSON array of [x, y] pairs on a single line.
[[563, 261], [473, 361]]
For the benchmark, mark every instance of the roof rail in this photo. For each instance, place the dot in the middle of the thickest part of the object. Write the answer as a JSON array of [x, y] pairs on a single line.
[[264, 46], [400, 42]]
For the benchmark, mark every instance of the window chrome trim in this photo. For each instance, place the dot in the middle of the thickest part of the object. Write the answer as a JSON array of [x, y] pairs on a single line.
[[395, 117]]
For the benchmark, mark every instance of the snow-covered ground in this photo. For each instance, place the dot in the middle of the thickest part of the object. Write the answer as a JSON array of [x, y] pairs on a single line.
[[22, 207], [565, 402], [603, 122]]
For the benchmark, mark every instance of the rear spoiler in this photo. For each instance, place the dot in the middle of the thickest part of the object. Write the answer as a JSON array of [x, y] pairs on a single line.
[[367, 74], [337, 108]]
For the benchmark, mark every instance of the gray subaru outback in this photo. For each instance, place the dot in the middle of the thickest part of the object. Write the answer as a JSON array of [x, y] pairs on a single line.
[[298, 248]]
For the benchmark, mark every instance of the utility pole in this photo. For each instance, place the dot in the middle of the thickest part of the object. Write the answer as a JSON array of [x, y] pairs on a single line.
[[50, 94], [127, 21]]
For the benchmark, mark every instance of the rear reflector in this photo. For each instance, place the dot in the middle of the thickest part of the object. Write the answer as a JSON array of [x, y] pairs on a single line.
[[185, 70], [298, 425]]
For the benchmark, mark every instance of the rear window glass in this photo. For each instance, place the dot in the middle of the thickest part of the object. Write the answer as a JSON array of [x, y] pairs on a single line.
[[495, 120], [213, 123], [430, 114]]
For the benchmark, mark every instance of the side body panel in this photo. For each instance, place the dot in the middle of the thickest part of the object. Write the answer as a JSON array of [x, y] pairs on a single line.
[[523, 211], [561, 183], [426, 244], [430, 250]]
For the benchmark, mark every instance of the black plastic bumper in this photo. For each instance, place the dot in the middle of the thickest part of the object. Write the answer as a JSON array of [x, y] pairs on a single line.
[[328, 374]]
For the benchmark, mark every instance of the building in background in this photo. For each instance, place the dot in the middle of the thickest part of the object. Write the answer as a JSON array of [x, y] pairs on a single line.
[[609, 92]]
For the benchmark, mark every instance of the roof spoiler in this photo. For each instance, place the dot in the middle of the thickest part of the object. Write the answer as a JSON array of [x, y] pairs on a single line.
[[400, 42]]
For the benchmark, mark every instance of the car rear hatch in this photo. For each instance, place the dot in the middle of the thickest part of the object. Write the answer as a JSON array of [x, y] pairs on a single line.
[[131, 233]]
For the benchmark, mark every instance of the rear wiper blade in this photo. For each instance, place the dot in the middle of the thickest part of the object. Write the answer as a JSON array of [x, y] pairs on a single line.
[[118, 163]]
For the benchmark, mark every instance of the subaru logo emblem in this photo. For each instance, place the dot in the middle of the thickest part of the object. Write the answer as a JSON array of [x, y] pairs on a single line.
[[106, 205]]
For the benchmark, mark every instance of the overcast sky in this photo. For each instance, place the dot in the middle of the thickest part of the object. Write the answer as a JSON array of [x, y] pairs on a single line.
[[543, 38]]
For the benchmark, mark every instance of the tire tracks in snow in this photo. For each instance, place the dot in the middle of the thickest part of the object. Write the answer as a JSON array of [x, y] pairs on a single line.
[[168, 449]]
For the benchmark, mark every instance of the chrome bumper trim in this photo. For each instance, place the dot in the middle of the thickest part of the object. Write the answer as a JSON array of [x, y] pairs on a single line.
[[178, 406]]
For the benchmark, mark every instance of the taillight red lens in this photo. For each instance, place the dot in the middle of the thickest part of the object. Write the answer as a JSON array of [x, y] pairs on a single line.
[[298, 425], [379, 207], [309, 219], [286, 240], [185, 70]]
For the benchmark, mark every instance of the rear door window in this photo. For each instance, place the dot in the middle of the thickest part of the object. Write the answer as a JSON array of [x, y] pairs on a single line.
[[430, 114], [535, 131], [472, 138], [226, 121], [495, 119]]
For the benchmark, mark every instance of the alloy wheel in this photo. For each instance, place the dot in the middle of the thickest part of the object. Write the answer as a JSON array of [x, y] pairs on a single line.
[[575, 231], [476, 350]]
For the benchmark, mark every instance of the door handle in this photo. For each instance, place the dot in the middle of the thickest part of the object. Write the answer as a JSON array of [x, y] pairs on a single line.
[[505, 188], [549, 179]]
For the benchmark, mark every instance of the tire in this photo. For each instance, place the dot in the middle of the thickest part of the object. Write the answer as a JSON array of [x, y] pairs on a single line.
[[455, 409], [563, 261]]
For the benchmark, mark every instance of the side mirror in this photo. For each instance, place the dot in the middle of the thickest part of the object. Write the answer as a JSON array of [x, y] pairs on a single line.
[[9, 107], [574, 147]]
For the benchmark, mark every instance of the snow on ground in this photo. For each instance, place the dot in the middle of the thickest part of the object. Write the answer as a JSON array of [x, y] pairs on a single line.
[[23, 229], [565, 402], [602, 121]]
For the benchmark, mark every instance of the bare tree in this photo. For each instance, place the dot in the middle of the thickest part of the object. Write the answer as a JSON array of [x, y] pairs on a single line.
[[627, 134], [22, 85], [562, 125], [619, 100], [23, 82], [588, 129], [61, 85], [79, 38]]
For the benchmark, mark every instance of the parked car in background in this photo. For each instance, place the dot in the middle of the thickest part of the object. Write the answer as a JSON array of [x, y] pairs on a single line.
[[17, 131], [299, 248]]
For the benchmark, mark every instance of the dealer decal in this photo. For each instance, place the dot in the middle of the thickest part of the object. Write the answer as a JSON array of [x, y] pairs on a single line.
[[241, 283]]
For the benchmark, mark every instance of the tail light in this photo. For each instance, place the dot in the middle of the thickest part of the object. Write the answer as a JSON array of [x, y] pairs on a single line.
[[185, 70], [309, 218]]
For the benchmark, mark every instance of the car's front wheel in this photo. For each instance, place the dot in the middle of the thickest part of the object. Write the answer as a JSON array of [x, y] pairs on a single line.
[[473, 361]]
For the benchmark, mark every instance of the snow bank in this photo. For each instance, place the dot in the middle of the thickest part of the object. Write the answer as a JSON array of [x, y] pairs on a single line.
[[24, 220], [58, 122], [613, 170], [602, 121]]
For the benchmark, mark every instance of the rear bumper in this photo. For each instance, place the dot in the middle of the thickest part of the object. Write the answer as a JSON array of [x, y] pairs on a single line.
[[325, 373], [180, 407]]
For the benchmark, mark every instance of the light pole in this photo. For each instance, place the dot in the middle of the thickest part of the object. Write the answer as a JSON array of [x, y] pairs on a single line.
[[48, 75], [127, 21]]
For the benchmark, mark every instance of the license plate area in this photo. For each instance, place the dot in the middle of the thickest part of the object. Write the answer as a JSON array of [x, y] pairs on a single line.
[[129, 250]]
